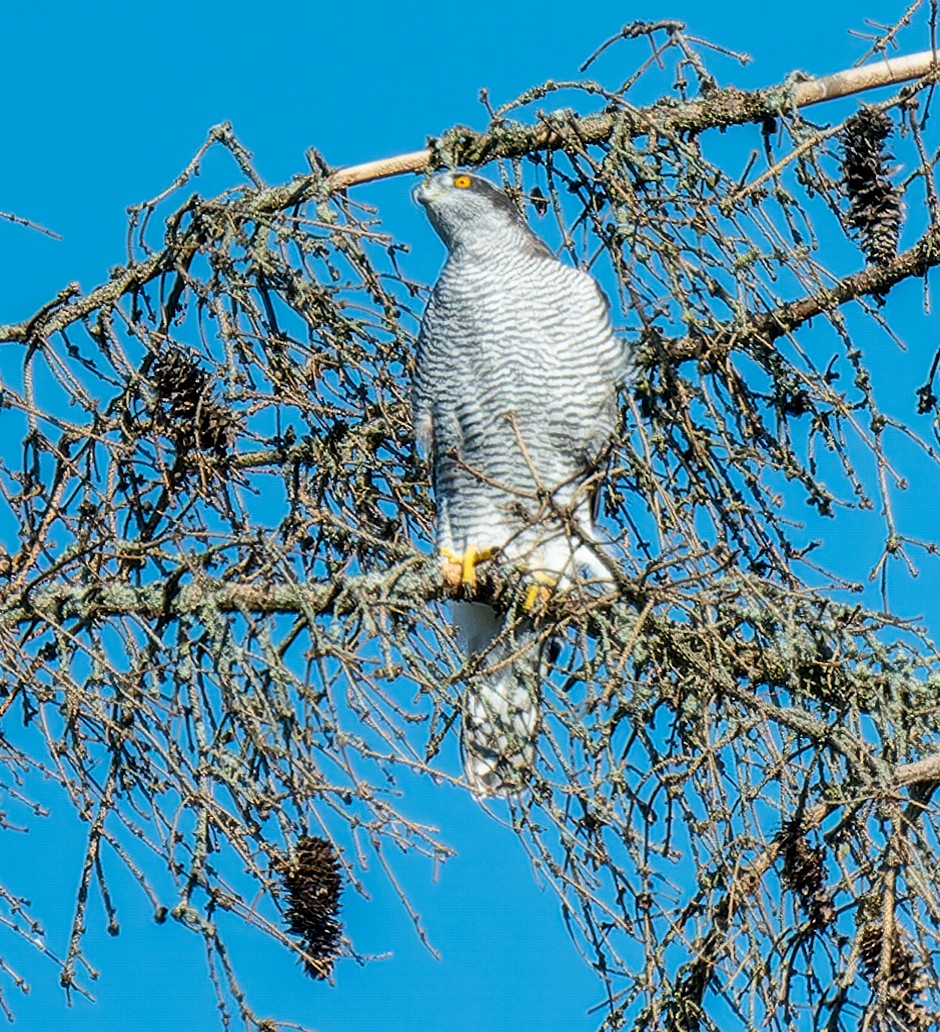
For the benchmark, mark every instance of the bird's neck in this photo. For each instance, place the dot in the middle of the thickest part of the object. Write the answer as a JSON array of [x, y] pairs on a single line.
[[508, 244]]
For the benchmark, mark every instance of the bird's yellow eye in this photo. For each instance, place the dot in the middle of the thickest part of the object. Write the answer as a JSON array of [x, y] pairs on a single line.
[[462, 181]]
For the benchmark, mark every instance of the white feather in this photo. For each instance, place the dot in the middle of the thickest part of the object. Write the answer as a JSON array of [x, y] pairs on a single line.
[[500, 709]]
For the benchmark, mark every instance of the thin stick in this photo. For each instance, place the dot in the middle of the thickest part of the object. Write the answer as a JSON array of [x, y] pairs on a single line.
[[29, 224]]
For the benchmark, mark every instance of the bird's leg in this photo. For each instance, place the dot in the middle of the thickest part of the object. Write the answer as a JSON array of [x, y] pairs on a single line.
[[461, 569], [539, 590]]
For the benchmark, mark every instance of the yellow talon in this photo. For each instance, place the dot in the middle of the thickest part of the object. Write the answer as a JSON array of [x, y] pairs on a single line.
[[539, 590], [471, 557], [466, 564], [451, 568]]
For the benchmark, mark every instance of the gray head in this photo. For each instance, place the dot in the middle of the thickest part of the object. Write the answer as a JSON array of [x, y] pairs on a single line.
[[472, 213]]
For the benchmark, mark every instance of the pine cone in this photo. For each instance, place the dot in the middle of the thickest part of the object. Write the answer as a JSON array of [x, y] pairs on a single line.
[[189, 415], [874, 202], [906, 979], [804, 873], [314, 885]]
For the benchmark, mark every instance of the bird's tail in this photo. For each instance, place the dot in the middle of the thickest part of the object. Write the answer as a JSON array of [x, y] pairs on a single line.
[[500, 709]]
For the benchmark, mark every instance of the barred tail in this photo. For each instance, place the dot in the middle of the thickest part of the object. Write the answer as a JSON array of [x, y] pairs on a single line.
[[500, 707]]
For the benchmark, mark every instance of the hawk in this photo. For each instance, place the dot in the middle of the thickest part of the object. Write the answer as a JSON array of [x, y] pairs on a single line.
[[515, 402]]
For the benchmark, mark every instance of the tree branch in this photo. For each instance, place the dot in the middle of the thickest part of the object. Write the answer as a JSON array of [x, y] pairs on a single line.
[[418, 580], [722, 107], [875, 280], [62, 602], [727, 106], [919, 771]]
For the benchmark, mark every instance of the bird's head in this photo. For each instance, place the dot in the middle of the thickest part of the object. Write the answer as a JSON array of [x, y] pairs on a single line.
[[470, 212]]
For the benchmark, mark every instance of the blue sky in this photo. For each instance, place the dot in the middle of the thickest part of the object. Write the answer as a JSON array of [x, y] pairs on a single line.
[[105, 103]]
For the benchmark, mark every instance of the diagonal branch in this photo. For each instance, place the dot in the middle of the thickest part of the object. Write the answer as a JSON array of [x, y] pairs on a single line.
[[722, 107], [764, 328]]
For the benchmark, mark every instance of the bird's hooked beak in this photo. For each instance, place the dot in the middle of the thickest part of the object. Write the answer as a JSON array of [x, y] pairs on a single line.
[[427, 191]]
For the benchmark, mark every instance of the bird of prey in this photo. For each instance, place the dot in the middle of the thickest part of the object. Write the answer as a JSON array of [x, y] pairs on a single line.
[[515, 401]]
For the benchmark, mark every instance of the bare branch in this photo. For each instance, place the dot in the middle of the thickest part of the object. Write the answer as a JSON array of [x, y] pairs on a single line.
[[765, 328], [723, 107]]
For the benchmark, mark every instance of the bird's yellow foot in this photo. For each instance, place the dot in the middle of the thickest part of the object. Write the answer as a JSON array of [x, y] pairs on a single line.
[[539, 590], [461, 569]]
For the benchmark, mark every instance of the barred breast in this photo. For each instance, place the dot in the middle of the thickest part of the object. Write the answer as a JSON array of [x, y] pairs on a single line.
[[519, 370]]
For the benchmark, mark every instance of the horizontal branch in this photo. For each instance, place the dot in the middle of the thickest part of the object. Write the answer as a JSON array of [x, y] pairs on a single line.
[[64, 602], [419, 580]]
